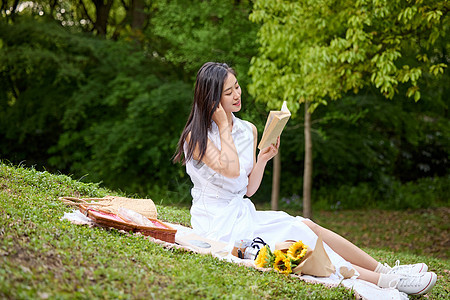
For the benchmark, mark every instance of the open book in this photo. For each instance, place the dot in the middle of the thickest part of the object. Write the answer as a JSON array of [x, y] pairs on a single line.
[[274, 126], [201, 244]]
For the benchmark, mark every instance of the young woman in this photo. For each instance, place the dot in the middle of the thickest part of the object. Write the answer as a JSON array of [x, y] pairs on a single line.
[[219, 151]]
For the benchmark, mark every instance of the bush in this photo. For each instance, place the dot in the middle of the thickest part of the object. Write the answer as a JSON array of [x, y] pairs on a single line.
[[392, 194]]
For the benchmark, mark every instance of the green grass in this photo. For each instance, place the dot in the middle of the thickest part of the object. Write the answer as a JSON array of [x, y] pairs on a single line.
[[43, 257]]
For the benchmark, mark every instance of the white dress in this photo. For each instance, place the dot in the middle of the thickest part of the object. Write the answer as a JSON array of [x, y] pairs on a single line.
[[220, 211]]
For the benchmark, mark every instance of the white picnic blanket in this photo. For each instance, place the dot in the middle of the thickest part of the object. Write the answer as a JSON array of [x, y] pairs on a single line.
[[362, 289]]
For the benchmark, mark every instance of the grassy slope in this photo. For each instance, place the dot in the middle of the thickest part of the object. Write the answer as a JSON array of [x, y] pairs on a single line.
[[44, 257]]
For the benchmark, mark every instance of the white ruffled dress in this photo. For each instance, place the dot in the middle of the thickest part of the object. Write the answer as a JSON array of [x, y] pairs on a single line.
[[221, 212]]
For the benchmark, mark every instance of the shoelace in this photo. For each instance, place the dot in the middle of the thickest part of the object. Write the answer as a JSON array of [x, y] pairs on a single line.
[[397, 264], [410, 280], [397, 267]]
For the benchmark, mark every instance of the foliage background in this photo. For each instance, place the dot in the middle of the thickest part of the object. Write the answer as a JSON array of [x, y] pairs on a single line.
[[106, 102]]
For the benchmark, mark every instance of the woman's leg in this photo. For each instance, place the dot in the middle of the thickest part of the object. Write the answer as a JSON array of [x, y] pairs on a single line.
[[344, 248], [409, 283], [367, 275]]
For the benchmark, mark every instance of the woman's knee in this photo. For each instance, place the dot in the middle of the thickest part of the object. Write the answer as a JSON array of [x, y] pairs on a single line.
[[313, 226]]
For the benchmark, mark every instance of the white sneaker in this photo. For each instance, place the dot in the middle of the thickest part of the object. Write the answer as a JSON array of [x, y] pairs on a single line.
[[415, 284], [408, 269]]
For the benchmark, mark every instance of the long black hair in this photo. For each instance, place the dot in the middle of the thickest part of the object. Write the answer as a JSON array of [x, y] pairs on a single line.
[[207, 94]]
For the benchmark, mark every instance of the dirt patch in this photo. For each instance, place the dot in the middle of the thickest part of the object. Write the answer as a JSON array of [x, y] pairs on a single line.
[[29, 260], [4, 187]]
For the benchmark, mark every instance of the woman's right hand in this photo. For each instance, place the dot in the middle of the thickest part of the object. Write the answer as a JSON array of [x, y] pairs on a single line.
[[226, 160], [219, 116], [269, 152]]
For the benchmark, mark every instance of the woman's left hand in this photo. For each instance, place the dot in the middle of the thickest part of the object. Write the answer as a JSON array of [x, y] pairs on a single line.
[[268, 153]]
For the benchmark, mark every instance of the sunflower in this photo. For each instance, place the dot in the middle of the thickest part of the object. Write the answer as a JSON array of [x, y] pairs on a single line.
[[297, 251], [264, 258], [282, 263]]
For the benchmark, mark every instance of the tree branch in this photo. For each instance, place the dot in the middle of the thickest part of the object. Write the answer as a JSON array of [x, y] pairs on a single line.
[[3, 8], [125, 5], [14, 7], [85, 12], [53, 6]]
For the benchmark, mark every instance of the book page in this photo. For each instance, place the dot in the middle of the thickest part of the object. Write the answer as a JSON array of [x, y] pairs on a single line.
[[269, 119], [275, 124]]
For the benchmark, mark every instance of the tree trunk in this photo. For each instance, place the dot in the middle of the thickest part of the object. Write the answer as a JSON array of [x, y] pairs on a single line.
[[102, 13], [138, 16], [307, 172], [13, 8], [53, 4], [276, 181]]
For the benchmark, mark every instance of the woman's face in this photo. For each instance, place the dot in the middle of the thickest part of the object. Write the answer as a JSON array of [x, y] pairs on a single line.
[[231, 94]]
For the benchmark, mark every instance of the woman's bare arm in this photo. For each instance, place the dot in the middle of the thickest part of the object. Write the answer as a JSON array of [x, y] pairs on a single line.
[[224, 161], [255, 177]]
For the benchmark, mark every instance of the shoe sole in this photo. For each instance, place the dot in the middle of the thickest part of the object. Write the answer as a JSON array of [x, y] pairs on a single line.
[[429, 286]]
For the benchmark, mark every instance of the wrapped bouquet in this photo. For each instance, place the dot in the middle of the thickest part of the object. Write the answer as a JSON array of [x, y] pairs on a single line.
[[296, 257]]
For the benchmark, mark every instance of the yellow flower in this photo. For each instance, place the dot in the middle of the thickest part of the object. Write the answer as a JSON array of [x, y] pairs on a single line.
[[261, 258], [297, 251], [264, 258], [282, 263]]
